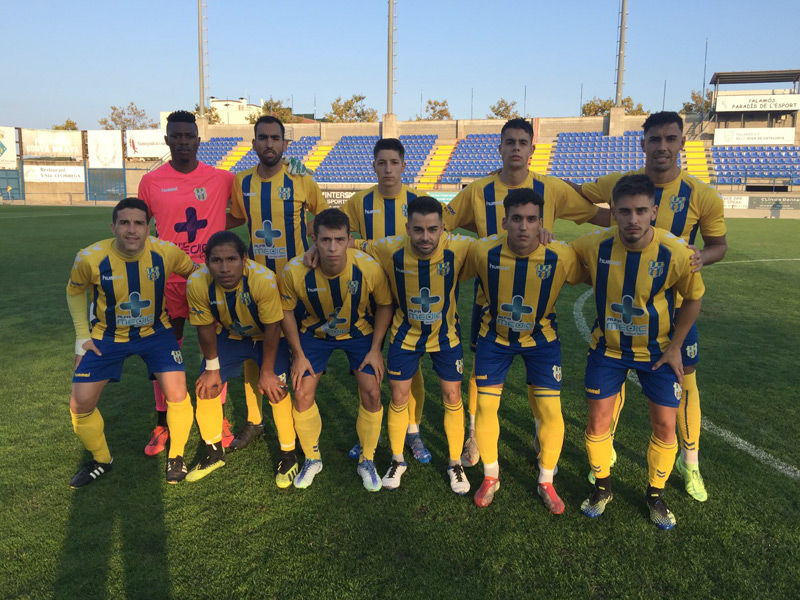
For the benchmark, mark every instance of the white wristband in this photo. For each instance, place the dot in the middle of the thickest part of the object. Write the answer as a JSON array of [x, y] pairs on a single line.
[[212, 364], [79, 346]]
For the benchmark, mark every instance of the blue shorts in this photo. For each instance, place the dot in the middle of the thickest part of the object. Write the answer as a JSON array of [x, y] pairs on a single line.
[[233, 353], [690, 351], [542, 363], [159, 351], [605, 376], [401, 364], [318, 351]]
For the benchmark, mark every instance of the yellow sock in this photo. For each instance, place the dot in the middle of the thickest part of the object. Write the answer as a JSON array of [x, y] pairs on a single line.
[[284, 423], [472, 398], [179, 420], [619, 402], [551, 426], [487, 425], [660, 458], [308, 425], [252, 373], [416, 399], [599, 448], [368, 427], [454, 429], [89, 428], [397, 424], [689, 419], [209, 419]]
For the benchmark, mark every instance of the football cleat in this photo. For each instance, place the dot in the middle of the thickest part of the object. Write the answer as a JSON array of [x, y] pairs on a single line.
[[550, 498], [90, 471], [306, 476], [660, 514], [355, 451], [596, 503], [248, 433], [176, 470], [591, 477], [694, 481], [470, 455], [287, 469], [485, 494], [227, 436], [213, 460], [366, 468], [391, 481], [458, 479], [417, 446], [158, 441]]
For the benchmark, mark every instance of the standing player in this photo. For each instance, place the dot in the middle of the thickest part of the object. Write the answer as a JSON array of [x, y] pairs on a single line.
[[188, 200], [686, 204], [378, 212], [636, 270], [520, 280], [335, 298], [424, 267], [479, 208], [243, 297], [127, 276]]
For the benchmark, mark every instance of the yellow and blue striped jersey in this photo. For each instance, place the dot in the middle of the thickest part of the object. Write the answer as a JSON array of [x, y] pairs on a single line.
[[375, 217], [635, 291], [127, 292], [425, 289], [521, 291], [275, 210], [243, 310], [479, 206], [685, 204], [336, 308]]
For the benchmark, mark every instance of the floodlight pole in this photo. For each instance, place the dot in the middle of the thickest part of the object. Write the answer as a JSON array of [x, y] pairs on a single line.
[[621, 54], [703, 98], [202, 104], [390, 65]]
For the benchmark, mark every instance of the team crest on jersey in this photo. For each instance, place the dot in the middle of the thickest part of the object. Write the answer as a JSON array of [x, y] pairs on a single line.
[[352, 288], [676, 203], [153, 273], [460, 366], [556, 372], [655, 268], [544, 271], [405, 210], [443, 269], [177, 356], [200, 193], [676, 387], [691, 351], [245, 298], [285, 193]]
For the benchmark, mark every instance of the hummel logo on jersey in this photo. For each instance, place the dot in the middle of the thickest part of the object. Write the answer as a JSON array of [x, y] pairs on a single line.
[[615, 263], [499, 267], [376, 211], [111, 277], [172, 189], [405, 271], [316, 290]]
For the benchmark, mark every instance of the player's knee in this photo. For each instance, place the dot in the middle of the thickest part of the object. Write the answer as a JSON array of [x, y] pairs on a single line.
[[451, 395], [303, 399], [663, 427], [688, 370]]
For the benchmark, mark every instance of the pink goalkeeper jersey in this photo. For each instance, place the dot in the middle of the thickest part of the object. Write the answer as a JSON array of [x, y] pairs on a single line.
[[187, 208]]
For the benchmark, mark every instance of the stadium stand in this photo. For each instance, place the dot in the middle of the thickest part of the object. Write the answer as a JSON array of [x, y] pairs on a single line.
[[297, 149], [474, 156], [216, 149], [734, 165]]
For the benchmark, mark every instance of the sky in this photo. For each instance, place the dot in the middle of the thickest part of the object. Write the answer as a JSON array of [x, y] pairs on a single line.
[[76, 59]]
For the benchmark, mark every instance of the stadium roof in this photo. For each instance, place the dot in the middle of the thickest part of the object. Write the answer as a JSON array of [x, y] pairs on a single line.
[[731, 77]]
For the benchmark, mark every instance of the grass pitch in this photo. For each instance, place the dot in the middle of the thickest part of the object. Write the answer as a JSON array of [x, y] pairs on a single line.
[[235, 534]]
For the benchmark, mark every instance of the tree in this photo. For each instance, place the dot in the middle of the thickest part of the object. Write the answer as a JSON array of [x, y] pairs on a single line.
[[597, 107], [698, 105], [275, 108], [129, 117], [436, 110], [351, 111], [69, 125], [211, 114], [504, 109]]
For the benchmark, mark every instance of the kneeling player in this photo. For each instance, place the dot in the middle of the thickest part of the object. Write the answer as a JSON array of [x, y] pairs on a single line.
[[242, 296], [521, 279], [336, 298], [127, 276], [635, 271]]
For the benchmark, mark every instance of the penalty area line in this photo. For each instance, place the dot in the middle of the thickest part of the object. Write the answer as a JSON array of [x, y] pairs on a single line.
[[731, 438]]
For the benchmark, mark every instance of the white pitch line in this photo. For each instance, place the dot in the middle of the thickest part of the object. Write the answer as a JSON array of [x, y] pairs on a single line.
[[739, 262], [734, 440]]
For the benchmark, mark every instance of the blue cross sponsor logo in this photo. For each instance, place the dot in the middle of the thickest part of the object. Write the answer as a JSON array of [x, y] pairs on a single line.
[[517, 309], [676, 203], [191, 225], [544, 271], [153, 273], [239, 329], [443, 269], [425, 300], [269, 235], [655, 268], [134, 306], [625, 324], [285, 193], [352, 288], [334, 320]]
